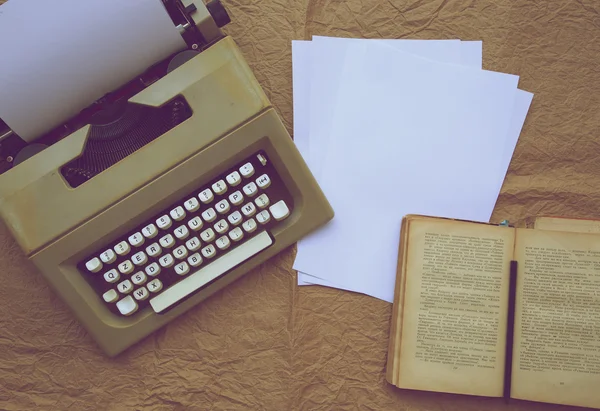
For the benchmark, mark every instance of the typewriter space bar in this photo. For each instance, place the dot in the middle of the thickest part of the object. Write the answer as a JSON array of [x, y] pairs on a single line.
[[208, 273]]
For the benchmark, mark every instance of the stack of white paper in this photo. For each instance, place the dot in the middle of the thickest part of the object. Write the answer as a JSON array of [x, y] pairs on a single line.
[[396, 127]]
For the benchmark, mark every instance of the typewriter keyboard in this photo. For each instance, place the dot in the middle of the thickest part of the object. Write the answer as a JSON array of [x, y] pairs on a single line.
[[193, 242]]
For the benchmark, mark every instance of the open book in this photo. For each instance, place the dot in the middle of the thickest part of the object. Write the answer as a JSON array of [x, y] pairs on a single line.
[[490, 310]]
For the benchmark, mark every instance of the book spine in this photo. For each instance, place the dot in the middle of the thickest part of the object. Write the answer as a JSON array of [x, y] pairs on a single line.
[[510, 325]]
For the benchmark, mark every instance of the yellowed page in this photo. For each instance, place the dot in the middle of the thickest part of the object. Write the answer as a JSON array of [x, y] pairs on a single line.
[[397, 309], [395, 339], [557, 322], [580, 225], [455, 308]]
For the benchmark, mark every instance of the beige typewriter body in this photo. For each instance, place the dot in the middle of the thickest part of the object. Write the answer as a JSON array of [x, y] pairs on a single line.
[[56, 225]]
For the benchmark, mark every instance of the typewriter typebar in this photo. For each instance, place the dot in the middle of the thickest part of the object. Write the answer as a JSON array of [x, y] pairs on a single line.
[[193, 241]]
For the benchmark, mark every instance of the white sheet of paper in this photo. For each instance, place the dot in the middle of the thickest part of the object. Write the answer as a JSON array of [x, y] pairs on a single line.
[[59, 57], [325, 74], [327, 56], [522, 104], [471, 54], [322, 79], [455, 183], [301, 94]]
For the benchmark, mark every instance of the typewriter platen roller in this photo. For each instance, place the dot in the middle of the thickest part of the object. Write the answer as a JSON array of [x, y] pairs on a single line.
[[161, 191]]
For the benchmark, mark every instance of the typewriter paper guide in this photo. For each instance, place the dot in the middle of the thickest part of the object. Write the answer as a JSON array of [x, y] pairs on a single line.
[[95, 47]]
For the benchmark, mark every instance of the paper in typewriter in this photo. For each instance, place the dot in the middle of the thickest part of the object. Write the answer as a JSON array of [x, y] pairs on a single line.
[[70, 53], [437, 133]]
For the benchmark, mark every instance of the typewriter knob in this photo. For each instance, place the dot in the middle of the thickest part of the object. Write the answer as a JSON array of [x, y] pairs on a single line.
[[28, 152], [181, 58], [218, 13]]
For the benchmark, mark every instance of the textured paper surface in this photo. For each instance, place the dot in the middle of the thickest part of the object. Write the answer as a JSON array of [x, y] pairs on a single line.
[[266, 344]]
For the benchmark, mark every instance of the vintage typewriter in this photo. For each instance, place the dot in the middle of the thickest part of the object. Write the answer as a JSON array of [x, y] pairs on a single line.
[[162, 191]]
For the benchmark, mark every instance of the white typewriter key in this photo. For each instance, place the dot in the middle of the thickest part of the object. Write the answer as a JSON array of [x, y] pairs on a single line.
[[195, 223], [223, 242], [247, 170], [263, 181], [221, 226], [193, 244], [249, 226], [112, 276], [155, 285], [195, 260], [182, 268], [222, 206], [125, 287], [153, 250], [209, 251], [280, 210], [94, 265], [209, 215], [126, 267], [181, 232], [250, 189], [206, 196], [153, 270], [235, 218], [150, 231], [236, 198], [262, 159], [138, 278], [207, 235], [236, 234], [234, 179], [249, 210], [166, 260], [219, 187], [110, 296], [136, 239], [192, 204], [167, 241], [108, 256], [127, 306], [164, 222], [141, 294], [263, 217], [262, 201], [139, 258], [180, 252], [122, 248], [178, 213]]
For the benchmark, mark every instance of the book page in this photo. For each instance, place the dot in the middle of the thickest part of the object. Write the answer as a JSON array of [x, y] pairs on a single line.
[[397, 309], [455, 307], [395, 339], [580, 225], [557, 319]]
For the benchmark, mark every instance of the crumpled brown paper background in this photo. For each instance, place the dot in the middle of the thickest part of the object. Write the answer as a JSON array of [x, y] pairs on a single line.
[[266, 344]]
